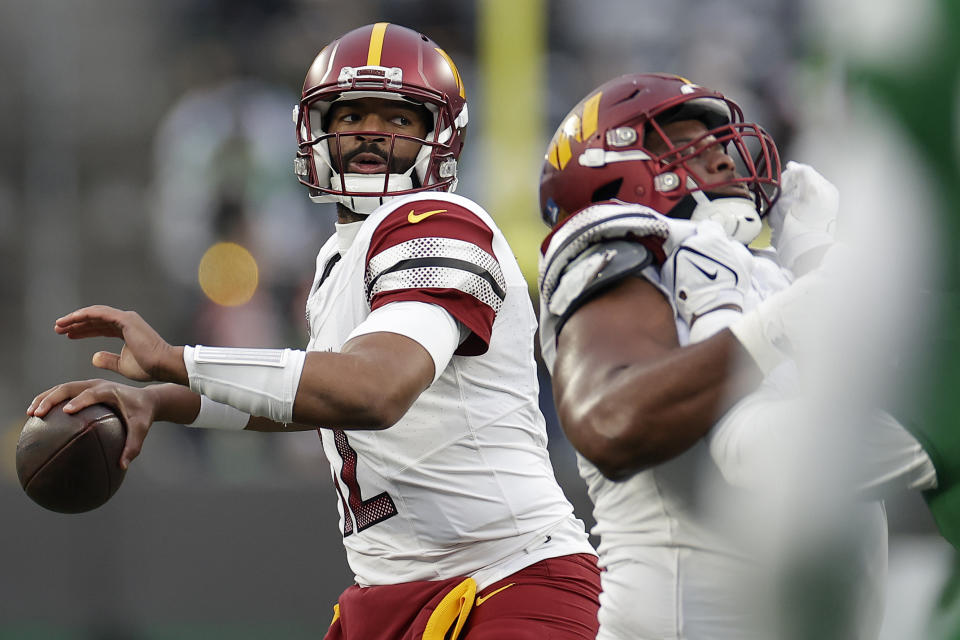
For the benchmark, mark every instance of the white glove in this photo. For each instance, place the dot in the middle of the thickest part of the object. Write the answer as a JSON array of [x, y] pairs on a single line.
[[708, 273], [805, 216]]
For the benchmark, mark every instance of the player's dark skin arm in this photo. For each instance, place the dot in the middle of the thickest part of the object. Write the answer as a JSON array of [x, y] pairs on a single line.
[[627, 394], [369, 384]]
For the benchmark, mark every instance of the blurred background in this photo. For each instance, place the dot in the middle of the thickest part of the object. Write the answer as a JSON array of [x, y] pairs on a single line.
[[147, 165]]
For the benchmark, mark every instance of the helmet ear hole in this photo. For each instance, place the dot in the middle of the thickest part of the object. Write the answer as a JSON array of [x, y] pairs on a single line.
[[607, 191]]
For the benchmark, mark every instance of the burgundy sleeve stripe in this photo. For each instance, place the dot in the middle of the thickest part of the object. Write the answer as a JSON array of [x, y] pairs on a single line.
[[449, 263]]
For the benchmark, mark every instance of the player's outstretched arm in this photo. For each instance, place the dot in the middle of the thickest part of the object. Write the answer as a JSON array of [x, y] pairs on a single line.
[[627, 394], [370, 384]]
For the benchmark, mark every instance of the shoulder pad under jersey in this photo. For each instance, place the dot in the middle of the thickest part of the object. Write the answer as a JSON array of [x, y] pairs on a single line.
[[599, 224], [597, 268]]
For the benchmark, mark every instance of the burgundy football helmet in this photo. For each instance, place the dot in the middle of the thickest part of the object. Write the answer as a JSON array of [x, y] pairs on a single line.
[[599, 154], [381, 61]]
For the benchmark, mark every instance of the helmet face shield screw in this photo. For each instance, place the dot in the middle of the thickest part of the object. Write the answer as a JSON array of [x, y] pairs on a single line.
[[666, 181], [300, 167], [448, 168], [621, 136]]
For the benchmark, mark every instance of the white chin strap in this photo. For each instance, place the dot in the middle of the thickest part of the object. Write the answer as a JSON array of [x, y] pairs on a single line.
[[737, 216], [368, 182]]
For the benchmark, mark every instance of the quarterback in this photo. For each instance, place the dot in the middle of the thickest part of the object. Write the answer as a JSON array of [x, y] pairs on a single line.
[[668, 341], [419, 374]]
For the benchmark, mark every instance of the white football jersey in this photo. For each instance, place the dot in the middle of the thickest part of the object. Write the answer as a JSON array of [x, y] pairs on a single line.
[[676, 563], [462, 484]]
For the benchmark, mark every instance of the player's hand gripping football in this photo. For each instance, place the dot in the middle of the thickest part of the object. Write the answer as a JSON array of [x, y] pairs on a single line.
[[145, 356], [137, 406]]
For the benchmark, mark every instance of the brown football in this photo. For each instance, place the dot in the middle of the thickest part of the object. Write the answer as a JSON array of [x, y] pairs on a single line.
[[70, 463]]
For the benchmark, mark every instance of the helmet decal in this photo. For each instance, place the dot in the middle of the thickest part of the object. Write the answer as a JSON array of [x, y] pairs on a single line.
[[590, 115], [574, 127]]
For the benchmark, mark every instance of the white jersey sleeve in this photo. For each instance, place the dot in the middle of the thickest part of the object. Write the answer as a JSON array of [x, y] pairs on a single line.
[[429, 325]]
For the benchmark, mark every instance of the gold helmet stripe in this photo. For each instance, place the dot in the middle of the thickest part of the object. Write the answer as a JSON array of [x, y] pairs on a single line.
[[376, 44]]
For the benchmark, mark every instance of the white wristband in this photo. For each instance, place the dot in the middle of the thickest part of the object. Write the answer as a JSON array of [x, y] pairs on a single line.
[[216, 415], [262, 382]]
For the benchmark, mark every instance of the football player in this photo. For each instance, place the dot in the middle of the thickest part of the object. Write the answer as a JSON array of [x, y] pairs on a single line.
[[666, 338], [419, 374]]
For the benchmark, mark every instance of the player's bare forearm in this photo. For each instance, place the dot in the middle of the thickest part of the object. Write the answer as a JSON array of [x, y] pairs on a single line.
[[628, 396], [173, 403], [370, 384]]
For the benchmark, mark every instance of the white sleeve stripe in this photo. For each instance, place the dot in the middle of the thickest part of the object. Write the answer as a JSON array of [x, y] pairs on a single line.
[[439, 278], [229, 355], [434, 247]]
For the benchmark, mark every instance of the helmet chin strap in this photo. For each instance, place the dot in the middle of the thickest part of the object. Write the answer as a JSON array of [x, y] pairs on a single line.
[[738, 216], [368, 182]]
